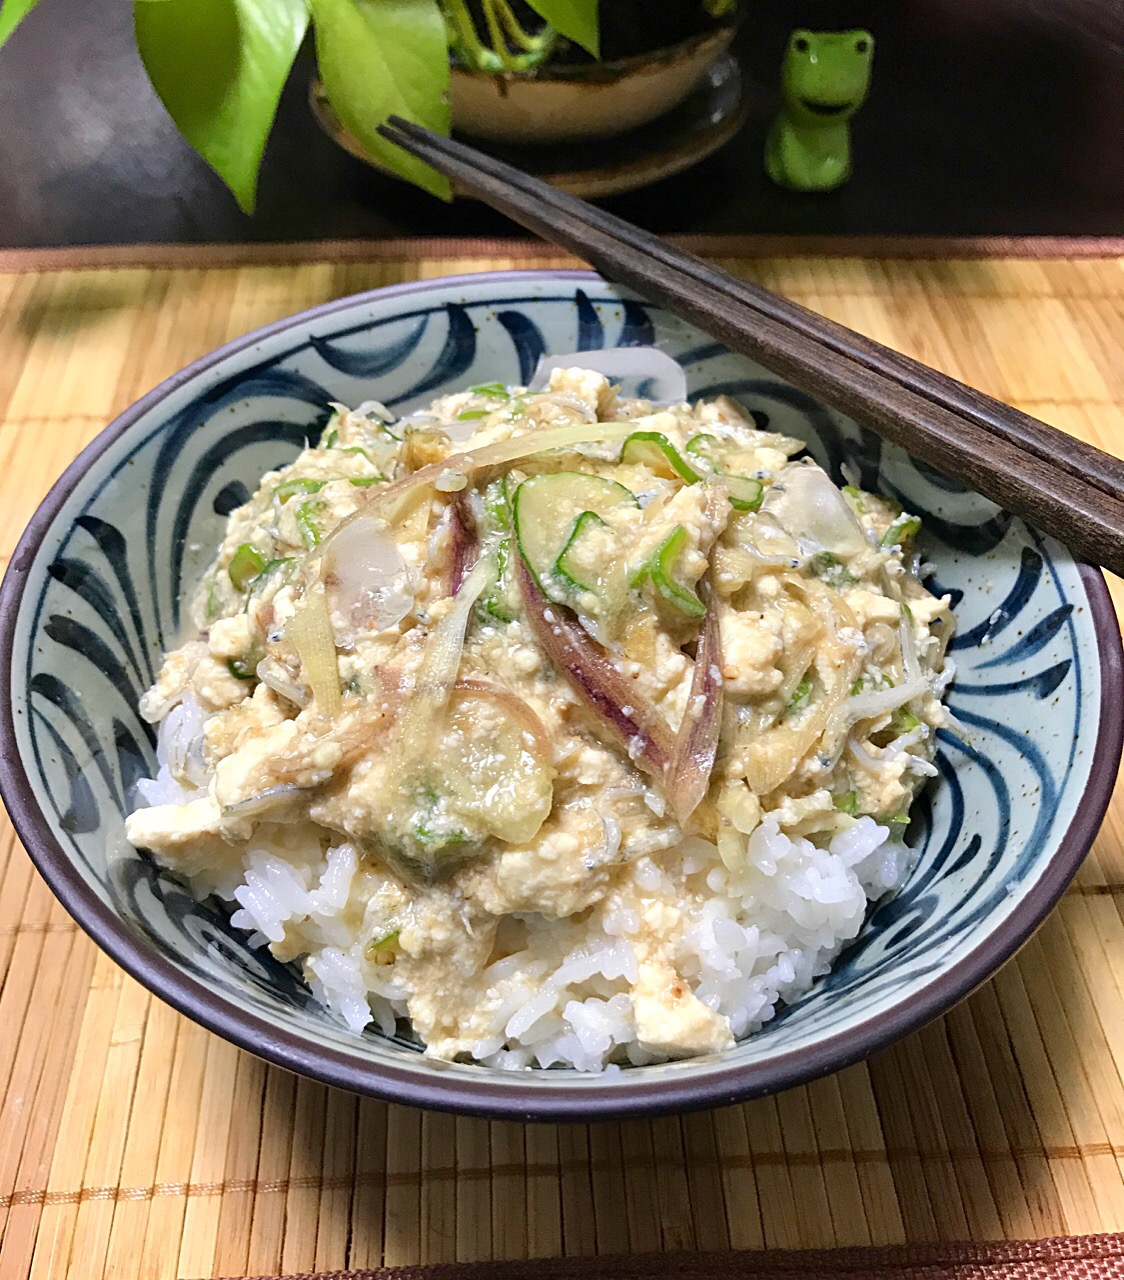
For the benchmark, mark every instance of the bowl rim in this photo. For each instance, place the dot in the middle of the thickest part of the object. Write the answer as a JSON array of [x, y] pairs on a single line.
[[496, 1095]]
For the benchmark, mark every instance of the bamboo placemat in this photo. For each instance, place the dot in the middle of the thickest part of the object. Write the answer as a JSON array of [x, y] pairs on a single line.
[[134, 1144]]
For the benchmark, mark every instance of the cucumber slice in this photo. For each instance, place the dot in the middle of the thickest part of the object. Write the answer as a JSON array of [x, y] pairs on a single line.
[[715, 452], [653, 449], [745, 492], [704, 446], [482, 776], [569, 566], [660, 569], [545, 512]]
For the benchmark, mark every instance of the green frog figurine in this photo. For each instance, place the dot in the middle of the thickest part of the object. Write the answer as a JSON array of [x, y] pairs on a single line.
[[825, 77]]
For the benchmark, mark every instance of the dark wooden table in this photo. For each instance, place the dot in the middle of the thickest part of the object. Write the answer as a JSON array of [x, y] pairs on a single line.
[[998, 117]]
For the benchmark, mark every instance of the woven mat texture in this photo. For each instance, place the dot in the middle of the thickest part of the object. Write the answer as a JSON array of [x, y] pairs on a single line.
[[133, 1144]]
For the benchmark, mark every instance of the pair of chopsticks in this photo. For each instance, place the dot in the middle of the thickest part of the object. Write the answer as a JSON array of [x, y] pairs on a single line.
[[1059, 484]]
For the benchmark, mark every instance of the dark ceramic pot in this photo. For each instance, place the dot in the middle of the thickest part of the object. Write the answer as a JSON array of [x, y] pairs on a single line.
[[565, 102]]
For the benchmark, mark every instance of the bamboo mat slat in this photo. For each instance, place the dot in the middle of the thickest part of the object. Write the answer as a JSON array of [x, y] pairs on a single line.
[[135, 1146]]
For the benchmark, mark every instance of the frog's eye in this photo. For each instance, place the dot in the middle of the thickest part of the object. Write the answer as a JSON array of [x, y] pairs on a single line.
[[800, 44], [861, 46]]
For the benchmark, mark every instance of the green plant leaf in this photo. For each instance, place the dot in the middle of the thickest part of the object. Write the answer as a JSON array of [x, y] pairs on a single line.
[[219, 67], [574, 19], [12, 13], [380, 58]]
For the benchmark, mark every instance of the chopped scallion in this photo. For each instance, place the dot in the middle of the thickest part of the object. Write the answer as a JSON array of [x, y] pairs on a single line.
[[901, 531], [655, 450], [214, 600], [282, 566], [306, 523], [288, 488], [903, 721], [801, 696], [746, 494], [382, 943], [245, 565]]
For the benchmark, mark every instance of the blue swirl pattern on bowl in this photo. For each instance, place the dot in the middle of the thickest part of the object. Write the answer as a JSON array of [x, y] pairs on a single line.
[[95, 597]]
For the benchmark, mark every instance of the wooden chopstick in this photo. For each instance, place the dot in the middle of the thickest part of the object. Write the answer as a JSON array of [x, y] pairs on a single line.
[[1100, 469], [1057, 483]]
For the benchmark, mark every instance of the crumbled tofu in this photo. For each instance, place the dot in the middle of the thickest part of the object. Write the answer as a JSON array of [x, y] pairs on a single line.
[[592, 388], [173, 681], [671, 1019], [751, 649], [230, 637], [872, 606], [164, 826], [248, 771]]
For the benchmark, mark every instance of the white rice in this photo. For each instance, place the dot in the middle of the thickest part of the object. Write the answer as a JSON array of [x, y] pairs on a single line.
[[748, 942]]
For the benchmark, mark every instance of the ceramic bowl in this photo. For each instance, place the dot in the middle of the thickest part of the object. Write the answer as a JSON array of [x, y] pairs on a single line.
[[93, 596]]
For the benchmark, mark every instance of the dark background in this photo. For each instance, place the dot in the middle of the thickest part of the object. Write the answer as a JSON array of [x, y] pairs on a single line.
[[986, 117]]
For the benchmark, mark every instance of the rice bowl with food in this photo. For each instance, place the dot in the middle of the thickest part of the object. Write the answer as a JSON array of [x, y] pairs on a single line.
[[548, 727]]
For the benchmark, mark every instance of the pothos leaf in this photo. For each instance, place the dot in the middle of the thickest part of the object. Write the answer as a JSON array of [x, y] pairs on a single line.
[[574, 19], [12, 13], [386, 57], [219, 67]]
